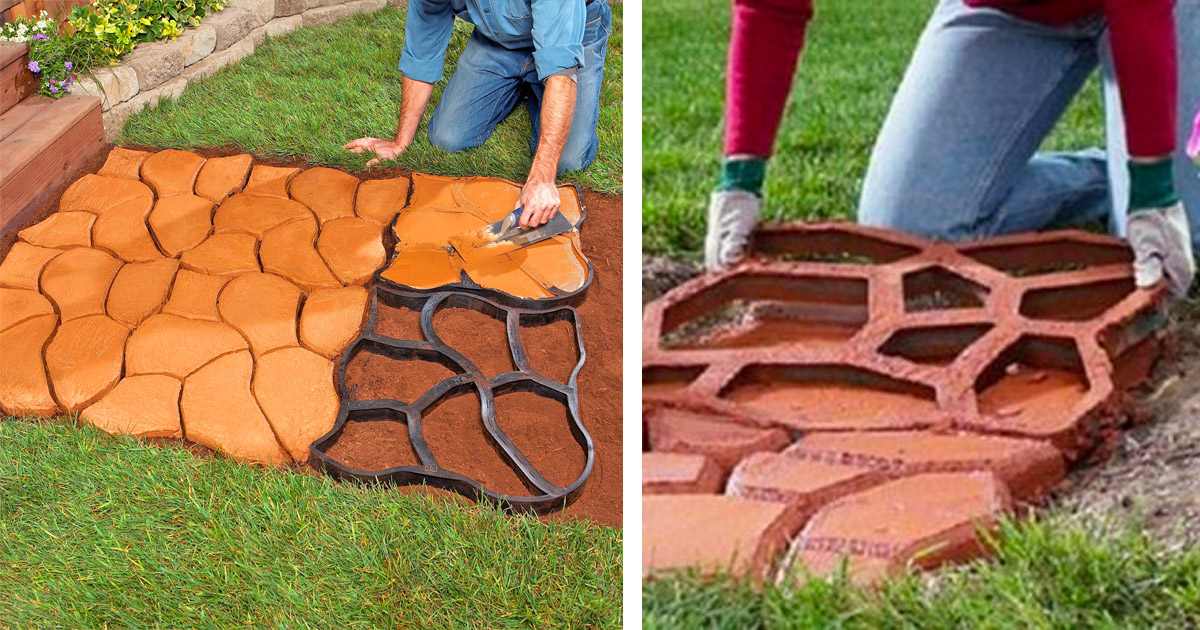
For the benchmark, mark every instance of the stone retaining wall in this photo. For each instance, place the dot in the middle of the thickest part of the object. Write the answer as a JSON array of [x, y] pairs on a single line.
[[165, 68]]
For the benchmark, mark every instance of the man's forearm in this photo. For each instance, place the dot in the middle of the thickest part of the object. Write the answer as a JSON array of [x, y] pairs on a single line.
[[414, 97], [558, 110]]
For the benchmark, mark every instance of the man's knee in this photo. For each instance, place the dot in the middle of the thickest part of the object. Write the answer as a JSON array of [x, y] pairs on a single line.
[[578, 156], [448, 137]]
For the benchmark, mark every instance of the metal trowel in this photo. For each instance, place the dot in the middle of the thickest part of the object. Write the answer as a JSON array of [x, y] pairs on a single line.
[[506, 235]]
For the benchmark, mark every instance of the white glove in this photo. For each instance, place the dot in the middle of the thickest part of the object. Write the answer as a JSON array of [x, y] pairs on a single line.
[[732, 217], [1162, 248]]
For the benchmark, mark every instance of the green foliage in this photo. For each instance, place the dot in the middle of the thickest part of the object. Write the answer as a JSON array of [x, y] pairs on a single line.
[[22, 29], [121, 24]]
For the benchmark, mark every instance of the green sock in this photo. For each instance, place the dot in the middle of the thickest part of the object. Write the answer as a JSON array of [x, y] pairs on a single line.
[[743, 173], [1151, 185]]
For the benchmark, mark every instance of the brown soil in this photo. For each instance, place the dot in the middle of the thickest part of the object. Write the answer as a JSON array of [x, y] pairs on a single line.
[[454, 432], [398, 322], [541, 428], [374, 445], [546, 347], [478, 336], [372, 376]]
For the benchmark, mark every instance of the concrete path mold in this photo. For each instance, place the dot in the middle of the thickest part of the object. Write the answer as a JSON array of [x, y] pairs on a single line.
[[890, 395]]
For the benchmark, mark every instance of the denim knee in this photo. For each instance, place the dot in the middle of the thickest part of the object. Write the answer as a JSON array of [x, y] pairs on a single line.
[[448, 137]]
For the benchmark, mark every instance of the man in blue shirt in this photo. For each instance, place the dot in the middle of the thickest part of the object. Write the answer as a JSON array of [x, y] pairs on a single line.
[[551, 50]]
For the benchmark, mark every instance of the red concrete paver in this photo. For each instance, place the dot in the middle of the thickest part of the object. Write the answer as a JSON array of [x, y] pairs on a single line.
[[288, 250], [61, 230], [24, 388], [327, 192], [223, 176], [224, 254], [264, 308], [84, 359], [352, 247], [680, 473], [19, 305], [295, 389], [219, 412], [96, 194], [804, 486], [142, 406], [711, 533], [23, 266], [379, 200], [331, 319], [181, 222], [271, 181], [122, 232], [725, 442], [77, 282], [194, 295], [172, 172], [169, 344], [140, 290], [256, 214], [125, 163]]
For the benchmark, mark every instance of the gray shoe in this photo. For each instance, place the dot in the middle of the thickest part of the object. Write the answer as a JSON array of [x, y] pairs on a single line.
[[1162, 248], [732, 217]]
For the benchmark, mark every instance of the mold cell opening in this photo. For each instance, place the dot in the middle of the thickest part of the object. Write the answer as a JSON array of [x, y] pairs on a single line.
[[550, 343], [936, 345], [938, 288], [827, 245], [1035, 377], [477, 330], [665, 381], [376, 371], [1049, 256], [453, 429], [539, 423], [374, 440], [1075, 303]]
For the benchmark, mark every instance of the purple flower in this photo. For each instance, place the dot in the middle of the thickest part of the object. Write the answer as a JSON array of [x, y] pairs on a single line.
[[34, 67], [1193, 145], [40, 37], [68, 65], [53, 90]]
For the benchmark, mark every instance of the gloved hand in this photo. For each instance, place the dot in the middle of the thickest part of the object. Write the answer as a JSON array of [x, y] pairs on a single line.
[[1162, 248], [732, 216]]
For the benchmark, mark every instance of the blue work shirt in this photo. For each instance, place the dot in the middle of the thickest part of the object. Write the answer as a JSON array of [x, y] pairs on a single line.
[[553, 28]]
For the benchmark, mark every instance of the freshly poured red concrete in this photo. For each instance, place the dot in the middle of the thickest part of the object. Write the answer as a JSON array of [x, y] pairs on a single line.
[[780, 371]]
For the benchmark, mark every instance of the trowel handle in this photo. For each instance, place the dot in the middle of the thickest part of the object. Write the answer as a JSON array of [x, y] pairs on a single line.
[[510, 220]]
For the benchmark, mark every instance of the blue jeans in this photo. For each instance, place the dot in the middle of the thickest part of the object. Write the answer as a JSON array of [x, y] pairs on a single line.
[[490, 81], [957, 157]]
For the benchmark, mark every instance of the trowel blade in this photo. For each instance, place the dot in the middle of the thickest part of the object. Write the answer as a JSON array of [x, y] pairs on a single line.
[[506, 235]]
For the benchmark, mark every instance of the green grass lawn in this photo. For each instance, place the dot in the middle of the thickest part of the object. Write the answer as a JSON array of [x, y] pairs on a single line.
[[856, 54], [97, 531], [309, 92]]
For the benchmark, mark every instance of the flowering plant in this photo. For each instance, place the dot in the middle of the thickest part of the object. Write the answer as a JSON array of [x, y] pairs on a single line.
[[46, 59], [23, 29]]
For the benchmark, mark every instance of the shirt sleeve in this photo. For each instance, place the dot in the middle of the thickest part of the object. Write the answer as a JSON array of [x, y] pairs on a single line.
[[557, 35], [426, 35], [1144, 54]]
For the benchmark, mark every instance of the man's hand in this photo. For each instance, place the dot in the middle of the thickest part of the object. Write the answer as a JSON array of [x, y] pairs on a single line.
[[383, 149], [1162, 248], [540, 199]]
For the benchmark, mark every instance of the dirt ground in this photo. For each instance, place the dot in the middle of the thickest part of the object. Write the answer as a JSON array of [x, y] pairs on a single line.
[[599, 381], [1150, 474]]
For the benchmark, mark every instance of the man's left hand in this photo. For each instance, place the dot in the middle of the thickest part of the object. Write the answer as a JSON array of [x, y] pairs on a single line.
[[540, 199]]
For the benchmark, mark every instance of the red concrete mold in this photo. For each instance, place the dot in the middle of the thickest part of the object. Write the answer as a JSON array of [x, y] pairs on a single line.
[[1000, 362]]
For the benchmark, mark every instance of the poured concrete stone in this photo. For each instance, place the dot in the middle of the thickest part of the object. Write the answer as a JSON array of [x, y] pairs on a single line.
[[23, 266], [352, 247], [379, 200], [679, 473], [256, 214], [84, 359], [331, 319], [24, 388], [77, 281], [295, 389], [230, 253], [172, 172], [61, 230], [142, 406], [122, 231], [288, 250], [271, 181], [725, 442], [169, 344], [194, 295], [19, 305], [711, 533], [219, 411], [123, 163], [96, 194], [327, 192], [140, 289], [223, 176], [181, 222], [802, 485], [264, 308]]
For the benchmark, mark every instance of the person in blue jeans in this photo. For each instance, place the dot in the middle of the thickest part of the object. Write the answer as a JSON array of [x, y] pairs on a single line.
[[958, 158], [549, 50]]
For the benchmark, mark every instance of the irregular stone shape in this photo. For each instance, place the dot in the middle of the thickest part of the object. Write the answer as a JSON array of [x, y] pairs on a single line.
[[802, 485], [19, 305], [122, 231], [231, 25], [270, 181], [144, 406], [181, 222], [424, 268], [211, 64], [61, 230], [123, 163], [553, 263], [219, 412], [327, 15], [257, 213], [96, 194], [172, 172], [711, 533], [329, 193], [331, 319], [289, 7], [725, 442], [156, 62], [77, 281], [281, 26], [502, 273], [264, 308], [195, 295], [679, 473], [24, 389], [230, 254], [926, 520], [223, 176], [84, 359], [380, 200], [261, 10], [287, 250], [197, 43], [22, 267], [111, 85], [353, 248], [169, 344], [140, 289], [295, 389], [425, 227], [1029, 468]]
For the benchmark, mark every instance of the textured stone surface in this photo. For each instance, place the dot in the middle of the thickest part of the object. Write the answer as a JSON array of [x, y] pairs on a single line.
[[295, 389], [231, 25], [711, 533], [156, 63], [725, 442], [379, 200], [84, 359], [261, 11], [122, 232], [270, 181], [219, 59], [197, 43], [256, 214], [96, 194], [289, 7], [24, 388], [802, 485], [194, 295], [181, 222], [77, 281], [264, 308], [18, 305], [230, 253], [282, 25], [140, 289], [331, 319], [143, 406], [679, 473], [327, 192], [327, 15], [287, 250], [172, 172], [125, 163], [353, 248], [23, 266], [61, 230], [223, 176], [219, 411], [169, 344], [111, 85]]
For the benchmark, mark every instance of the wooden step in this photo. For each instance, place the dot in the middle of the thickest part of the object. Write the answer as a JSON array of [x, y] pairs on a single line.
[[42, 142], [16, 81]]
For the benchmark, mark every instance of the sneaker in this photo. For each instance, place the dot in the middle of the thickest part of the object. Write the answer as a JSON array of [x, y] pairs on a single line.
[[732, 217]]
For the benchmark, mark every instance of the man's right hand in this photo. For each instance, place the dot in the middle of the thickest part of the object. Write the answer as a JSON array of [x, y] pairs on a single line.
[[383, 149]]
